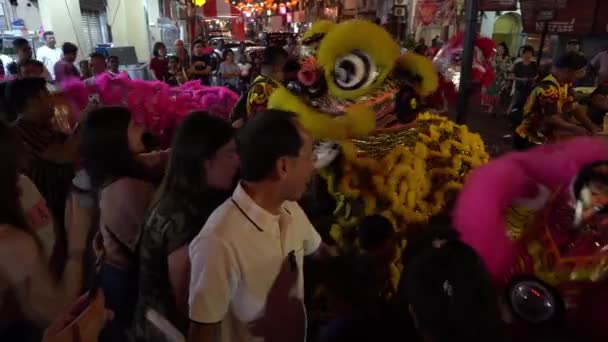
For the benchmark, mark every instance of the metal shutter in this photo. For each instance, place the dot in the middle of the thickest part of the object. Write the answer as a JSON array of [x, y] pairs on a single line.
[[93, 5], [91, 26]]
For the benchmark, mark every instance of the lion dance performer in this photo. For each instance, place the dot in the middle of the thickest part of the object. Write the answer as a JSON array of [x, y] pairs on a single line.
[[539, 220], [356, 90], [447, 62]]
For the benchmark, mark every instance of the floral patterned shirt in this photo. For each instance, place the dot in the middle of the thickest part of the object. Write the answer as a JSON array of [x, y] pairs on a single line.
[[171, 224]]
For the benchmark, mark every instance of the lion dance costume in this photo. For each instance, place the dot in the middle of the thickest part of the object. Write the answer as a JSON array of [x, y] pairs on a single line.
[[154, 103], [532, 218], [448, 64], [355, 88]]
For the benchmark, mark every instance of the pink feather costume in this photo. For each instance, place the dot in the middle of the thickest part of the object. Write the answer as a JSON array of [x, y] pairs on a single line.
[[541, 241], [153, 103]]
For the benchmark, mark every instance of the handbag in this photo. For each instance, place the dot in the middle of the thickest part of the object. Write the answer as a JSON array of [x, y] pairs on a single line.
[[81, 322]]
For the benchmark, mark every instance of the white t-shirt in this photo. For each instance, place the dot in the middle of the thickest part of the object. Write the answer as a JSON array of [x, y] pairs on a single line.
[[49, 57], [6, 60], [236, 258]]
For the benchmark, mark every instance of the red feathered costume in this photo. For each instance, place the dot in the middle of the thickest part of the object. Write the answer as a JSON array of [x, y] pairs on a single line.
[[447, 61]]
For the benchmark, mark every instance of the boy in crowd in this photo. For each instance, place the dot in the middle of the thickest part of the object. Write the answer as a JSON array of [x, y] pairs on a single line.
[[65, 68]]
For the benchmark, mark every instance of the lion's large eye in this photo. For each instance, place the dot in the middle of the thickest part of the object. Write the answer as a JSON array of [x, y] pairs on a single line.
[[355, 70]]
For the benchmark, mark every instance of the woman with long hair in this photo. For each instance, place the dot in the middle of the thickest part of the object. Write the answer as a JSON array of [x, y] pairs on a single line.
[[123, 183], [200, 176], [500, 89], [30, 297]]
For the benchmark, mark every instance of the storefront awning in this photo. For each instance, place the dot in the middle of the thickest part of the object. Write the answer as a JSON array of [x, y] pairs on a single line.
[[219, 9]]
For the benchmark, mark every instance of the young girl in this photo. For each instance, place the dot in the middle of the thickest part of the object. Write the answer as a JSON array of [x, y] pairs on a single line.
[[176, 75]]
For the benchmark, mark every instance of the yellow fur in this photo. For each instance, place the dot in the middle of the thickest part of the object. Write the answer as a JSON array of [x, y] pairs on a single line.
[[357, 121], [321, 26], [419, 65], [358, 35]]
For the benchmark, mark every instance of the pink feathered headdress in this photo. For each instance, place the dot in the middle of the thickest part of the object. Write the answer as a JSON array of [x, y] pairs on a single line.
[[479, 214]]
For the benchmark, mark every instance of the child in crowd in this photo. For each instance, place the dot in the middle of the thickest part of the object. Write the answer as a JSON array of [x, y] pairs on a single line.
[[377, 239], [450, 293], [176, 74], [353, 300]]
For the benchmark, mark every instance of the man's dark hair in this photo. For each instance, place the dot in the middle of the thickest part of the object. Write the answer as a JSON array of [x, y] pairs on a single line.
[[274, 55], [18, 92], [375, 230], [571, 61], [20, 43], [173, 59], [97, 55], [113, 58], [198, 41], [267, 137], [68, 47], [527, 48], [48, 33], [30, 62]]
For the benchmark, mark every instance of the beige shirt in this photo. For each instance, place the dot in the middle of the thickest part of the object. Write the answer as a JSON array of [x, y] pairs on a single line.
[[236, 258], [122, 206]]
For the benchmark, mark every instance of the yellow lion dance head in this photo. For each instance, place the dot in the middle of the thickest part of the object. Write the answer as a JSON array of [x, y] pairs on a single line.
[[356, 87]]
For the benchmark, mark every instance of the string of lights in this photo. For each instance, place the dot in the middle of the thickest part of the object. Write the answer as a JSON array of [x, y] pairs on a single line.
[[250, 7]]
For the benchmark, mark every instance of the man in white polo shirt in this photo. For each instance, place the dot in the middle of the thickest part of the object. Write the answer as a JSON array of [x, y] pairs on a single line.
[[253, 237]]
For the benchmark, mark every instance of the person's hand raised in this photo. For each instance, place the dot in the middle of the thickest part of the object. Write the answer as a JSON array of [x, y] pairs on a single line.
[[284, 316]]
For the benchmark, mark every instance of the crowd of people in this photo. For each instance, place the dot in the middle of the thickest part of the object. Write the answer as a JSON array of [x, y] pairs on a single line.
[[209, 233], [233, 69], [541, 101]]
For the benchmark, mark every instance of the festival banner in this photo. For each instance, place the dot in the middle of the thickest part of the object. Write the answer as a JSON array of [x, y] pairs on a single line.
[[571, 16], [435, 12], [497, 5]]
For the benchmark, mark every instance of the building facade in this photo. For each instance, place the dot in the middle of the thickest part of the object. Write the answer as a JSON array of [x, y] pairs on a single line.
[[86, 23]]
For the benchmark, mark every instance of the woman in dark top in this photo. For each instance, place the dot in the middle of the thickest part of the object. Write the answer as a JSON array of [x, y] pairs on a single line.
[[199, 178], [159, 64]]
